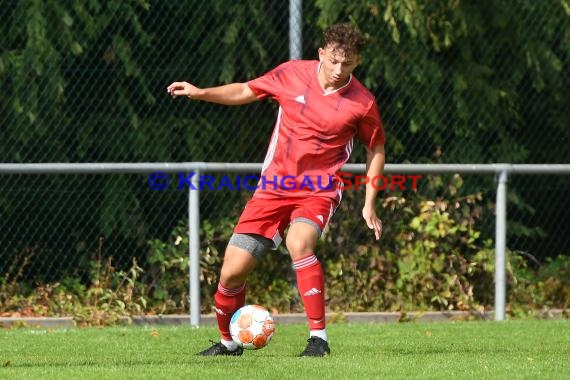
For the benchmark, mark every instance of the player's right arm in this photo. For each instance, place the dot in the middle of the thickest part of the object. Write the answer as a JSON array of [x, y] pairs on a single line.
[[232, 94]]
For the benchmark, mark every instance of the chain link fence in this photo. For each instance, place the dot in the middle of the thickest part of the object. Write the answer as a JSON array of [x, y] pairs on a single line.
[[86, 82]]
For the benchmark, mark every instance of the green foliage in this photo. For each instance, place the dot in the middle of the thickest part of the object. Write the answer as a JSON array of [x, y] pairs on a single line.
[[112, 297], [463, 74], [33, 69], [547, 286], [80, 83], [169, 268], [169, 263], [432, 257], [455, 81]]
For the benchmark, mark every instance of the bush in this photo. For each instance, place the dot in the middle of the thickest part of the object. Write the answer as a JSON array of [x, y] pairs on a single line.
[[433, 256]]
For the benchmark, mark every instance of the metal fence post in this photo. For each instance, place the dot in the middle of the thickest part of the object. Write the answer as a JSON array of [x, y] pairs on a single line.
[[194, 248], [500, 245], [295, 29]]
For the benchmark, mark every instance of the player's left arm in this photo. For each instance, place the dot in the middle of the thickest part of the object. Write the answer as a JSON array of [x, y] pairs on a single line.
[[375, 159]]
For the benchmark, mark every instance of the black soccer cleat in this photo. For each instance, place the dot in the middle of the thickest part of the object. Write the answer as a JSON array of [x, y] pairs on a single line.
[[218, 349], [316, 347]]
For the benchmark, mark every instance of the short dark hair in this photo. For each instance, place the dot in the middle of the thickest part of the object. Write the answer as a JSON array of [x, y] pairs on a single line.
[[345, 36]]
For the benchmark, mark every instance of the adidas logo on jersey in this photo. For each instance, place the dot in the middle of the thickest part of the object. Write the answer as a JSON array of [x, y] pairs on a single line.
[[312, 292], [300, 99]]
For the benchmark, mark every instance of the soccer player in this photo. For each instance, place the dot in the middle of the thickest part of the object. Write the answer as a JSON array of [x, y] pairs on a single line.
[[323, 107]]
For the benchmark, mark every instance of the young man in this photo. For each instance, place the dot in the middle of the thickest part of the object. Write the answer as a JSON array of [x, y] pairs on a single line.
[[322, 108]]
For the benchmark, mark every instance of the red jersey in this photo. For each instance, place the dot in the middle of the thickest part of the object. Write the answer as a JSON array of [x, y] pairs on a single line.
[[314, 133]]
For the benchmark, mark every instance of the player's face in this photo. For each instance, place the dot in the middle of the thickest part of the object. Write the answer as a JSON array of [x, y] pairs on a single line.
[[337, 65]]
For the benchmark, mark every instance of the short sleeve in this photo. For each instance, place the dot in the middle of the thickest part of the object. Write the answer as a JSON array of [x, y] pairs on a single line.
[[270, 84], [371, 129]]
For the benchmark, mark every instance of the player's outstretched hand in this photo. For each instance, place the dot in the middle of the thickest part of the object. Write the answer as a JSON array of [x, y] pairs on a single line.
[[372, 221], [182, 89]]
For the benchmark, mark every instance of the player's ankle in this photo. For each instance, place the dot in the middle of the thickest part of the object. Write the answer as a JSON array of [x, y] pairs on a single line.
[[319, 333], [229, 344]]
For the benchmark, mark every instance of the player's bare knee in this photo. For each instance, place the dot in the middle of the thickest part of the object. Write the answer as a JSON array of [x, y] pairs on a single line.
[[234, 273], [302, 239], [299, 248], [231, 278]]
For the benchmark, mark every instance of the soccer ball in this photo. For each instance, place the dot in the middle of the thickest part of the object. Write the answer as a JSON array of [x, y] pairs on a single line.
[[252, 327]]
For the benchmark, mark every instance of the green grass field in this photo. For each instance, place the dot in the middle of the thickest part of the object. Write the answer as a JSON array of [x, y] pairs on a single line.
[[477, 350]]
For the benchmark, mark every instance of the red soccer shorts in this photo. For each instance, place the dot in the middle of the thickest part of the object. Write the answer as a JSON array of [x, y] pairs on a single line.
[[270, 217]]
